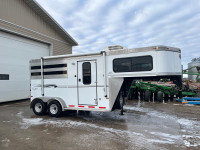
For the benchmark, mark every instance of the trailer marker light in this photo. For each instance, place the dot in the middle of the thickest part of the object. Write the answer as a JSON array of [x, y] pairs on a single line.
[[71, 105], [107, 98], [184, 102], [91, 107], [81, 106], [102, 107]]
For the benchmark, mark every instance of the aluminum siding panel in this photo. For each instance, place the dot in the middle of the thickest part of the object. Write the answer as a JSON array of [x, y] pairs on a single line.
[[18, 17]]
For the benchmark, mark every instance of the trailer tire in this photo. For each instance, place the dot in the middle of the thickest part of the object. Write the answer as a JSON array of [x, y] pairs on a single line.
[[147, 95], [160, 96], [39, 107], [55, 109]]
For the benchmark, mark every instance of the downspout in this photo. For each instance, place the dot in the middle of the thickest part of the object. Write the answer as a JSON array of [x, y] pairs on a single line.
[[104, 73]]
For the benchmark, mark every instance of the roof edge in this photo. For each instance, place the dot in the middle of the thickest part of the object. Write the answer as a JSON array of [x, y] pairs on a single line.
[[35, 6]]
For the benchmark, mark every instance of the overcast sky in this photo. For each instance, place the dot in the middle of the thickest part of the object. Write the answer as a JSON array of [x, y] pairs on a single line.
[[95, 24]]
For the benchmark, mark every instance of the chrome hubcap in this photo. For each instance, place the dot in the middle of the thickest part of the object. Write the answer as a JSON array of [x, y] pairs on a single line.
[[53, 109], [38, 107]]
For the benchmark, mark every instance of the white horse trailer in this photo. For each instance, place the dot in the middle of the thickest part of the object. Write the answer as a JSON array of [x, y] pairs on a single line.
[[93, 82]]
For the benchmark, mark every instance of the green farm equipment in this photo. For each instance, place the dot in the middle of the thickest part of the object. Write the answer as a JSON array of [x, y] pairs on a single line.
[[148, 91], [151, 90]]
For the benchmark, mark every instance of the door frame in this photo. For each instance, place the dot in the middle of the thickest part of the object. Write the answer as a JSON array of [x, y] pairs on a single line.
[[95, 61]]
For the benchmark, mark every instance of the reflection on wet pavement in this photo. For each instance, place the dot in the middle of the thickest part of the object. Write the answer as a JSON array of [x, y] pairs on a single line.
[[145, 125]]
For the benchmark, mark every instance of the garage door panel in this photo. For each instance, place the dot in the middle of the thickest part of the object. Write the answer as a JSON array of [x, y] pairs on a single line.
[[15, 54]]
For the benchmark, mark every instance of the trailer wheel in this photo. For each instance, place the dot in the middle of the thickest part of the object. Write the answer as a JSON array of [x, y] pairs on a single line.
[[160, 96], [39, 107], [147, 95], [54, 108]]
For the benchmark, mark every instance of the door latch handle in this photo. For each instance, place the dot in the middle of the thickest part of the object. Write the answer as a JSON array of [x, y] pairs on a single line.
[[79, 80]]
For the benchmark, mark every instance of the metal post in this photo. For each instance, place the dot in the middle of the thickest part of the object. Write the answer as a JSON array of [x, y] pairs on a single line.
[[123, 97], [42, 78], [104, 72]]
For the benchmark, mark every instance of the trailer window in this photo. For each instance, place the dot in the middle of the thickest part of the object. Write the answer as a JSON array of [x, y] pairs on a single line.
[[142, 63], [86, 73], [4, 76], [122, 65], [133, 64]]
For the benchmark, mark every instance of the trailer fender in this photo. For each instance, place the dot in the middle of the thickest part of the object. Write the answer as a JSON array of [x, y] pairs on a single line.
[[61, 101]]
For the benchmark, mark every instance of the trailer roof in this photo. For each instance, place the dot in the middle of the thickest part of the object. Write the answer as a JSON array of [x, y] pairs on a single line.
[[71, 55], [122, 51], [143, 49]]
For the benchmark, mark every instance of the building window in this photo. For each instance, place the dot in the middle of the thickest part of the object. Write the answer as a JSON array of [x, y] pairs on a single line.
[[133, 64], [86, 66], [4, 76]]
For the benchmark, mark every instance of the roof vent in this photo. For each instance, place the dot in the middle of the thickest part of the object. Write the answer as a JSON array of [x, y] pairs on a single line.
[[115, 48]]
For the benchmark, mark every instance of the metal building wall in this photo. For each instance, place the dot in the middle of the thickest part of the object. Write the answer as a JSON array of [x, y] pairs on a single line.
[[17, 16]]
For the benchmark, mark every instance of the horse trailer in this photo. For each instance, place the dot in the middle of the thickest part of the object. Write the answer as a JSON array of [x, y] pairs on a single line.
[[97, 81]]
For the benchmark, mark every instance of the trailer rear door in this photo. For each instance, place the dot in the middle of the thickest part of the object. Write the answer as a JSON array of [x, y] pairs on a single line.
[[87, 82]]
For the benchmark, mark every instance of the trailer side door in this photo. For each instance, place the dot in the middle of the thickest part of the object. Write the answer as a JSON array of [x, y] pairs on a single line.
[[87, 82]]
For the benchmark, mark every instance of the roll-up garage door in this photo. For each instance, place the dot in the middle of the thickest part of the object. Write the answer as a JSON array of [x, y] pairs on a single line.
[[15, 54]]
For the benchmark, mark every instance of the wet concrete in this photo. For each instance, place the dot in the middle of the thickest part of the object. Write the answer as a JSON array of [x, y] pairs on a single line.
[[145, 125]]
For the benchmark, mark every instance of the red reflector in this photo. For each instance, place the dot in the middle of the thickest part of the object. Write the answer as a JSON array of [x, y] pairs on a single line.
[[81, 106], [91, 107], [102, 107], [71, 105], [31, 96]]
